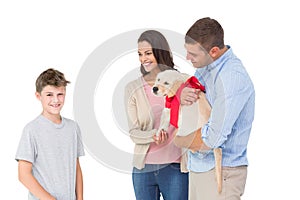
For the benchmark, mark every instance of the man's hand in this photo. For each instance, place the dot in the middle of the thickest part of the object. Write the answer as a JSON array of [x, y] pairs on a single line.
[[192, 141], [197, 143], [189, 96]]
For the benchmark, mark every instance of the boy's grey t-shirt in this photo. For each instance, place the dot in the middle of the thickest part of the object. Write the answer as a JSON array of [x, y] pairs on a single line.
[[53, 150]]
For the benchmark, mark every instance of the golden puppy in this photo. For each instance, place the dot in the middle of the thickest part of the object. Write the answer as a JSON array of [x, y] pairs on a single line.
[[187, 119]]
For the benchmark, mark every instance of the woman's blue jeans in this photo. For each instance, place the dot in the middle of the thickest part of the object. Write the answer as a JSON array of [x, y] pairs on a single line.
[[155, 180]]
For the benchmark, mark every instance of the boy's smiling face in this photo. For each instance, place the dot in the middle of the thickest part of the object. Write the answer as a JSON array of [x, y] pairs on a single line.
[[52, 99]]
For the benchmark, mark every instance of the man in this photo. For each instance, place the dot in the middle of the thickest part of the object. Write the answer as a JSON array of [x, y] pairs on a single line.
[[231, 95]]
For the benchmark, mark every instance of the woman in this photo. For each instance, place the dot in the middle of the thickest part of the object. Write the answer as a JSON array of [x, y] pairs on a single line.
[[158, 163]]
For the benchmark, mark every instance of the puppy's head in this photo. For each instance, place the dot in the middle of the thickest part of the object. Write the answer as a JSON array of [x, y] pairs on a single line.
[[168, 82]]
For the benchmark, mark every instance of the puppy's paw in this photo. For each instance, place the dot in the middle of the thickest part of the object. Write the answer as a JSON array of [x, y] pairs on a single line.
[[157, 132]]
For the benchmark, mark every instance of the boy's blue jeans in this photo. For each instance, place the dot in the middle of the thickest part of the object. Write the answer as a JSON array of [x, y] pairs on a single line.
[[165, 179]]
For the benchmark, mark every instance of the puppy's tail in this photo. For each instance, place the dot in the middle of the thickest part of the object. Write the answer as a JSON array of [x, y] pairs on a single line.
[[218, 167]]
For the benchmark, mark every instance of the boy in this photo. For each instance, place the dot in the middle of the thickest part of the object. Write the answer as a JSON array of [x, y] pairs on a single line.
[[50, 146]]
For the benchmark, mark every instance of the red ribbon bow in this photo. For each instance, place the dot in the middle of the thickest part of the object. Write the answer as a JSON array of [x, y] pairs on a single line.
[[174, 102]]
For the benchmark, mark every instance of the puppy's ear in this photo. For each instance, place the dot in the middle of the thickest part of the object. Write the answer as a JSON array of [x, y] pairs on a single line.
[[185, 76], [175, 87]]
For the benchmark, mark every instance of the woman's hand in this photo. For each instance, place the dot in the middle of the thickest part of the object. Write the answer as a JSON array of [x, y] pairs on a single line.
[[161, 138]]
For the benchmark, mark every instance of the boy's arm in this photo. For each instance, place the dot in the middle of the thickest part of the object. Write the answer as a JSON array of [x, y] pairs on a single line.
[[79, 182], [30, 182]]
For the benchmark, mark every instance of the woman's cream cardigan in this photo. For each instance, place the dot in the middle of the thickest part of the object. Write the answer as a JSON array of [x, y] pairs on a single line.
[[140, 122]]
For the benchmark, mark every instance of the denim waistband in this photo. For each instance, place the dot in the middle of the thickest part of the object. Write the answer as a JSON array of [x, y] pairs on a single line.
[[154, 167]]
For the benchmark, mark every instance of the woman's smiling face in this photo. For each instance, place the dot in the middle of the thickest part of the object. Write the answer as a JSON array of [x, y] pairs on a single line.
[[146, 56]]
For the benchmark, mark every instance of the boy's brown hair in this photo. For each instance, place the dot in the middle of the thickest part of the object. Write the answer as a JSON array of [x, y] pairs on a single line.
[[50, 77]]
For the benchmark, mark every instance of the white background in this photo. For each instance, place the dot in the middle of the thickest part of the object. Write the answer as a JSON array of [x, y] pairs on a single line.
[[35, 35]]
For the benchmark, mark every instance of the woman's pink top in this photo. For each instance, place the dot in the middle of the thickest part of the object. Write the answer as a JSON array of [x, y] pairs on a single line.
[[166, 152]]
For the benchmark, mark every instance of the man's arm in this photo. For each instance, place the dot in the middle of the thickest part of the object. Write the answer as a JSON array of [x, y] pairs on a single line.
[[194, 140], [189, 96], [79, 182], [30, 182]]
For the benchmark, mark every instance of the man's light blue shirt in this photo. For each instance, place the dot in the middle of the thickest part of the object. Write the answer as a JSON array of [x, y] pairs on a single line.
[[231, 94]]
